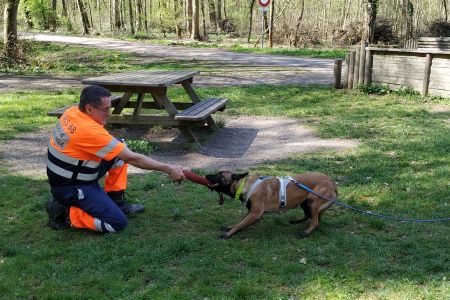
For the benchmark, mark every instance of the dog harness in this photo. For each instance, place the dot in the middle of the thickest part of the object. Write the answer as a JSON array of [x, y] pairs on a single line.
[[284, 181]]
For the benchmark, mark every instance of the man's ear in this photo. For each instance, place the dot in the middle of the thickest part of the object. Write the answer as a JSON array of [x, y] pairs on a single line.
[[238, 176]]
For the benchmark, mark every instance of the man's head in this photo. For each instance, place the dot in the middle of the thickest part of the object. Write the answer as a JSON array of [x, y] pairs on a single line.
[[96, 102]]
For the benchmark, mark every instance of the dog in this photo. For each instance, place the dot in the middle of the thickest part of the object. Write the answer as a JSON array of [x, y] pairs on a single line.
[[265, 198]]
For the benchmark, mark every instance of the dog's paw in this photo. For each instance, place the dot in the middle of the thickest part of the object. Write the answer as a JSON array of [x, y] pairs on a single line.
[[223, 236], [302, 235]]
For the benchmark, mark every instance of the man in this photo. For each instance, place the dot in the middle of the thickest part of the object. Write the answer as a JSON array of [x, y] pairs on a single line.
[[80, 152]]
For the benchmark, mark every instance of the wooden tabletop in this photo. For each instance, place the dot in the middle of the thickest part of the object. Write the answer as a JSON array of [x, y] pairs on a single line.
[[142, 78]]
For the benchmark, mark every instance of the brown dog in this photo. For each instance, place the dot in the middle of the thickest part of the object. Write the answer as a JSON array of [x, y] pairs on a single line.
[[265, 197]]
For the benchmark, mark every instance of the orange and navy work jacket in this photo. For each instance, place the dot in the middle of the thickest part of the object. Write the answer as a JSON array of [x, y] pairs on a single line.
[[77, 146]]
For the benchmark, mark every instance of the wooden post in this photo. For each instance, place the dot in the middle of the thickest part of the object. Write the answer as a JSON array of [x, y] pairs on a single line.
[[362, 61], [427, 73], [337, 73], [356, 68], [347, 63], [368, 69], [351, 69]]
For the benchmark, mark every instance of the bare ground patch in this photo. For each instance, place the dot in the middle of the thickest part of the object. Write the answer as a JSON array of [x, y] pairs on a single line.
[[244, 142]]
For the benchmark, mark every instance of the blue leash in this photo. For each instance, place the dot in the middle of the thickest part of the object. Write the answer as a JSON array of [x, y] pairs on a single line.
[[367, 212]]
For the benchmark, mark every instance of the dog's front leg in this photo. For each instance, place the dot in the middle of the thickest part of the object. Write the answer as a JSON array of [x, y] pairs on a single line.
[[252, 217]]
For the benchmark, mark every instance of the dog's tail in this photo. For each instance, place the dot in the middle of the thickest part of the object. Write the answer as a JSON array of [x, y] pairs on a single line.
[[335, 189]]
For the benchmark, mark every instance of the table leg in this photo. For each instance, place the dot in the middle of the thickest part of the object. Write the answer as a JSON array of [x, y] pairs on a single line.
[[137, 108], [162, 99], [190, 91], [122, 103]]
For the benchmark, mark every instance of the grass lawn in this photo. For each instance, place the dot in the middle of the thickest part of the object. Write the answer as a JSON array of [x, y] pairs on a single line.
[[171, 251]]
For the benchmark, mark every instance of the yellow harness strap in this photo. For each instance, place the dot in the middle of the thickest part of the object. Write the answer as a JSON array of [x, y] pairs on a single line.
[[239, 190]]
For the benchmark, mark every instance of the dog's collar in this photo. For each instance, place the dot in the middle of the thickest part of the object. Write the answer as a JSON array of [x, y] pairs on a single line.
[[240, 187]]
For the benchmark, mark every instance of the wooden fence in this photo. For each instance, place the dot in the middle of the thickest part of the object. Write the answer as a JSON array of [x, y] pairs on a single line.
[[425, 69]]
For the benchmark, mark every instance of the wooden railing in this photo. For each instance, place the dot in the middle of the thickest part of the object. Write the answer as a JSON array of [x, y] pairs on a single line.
[[425, 69]]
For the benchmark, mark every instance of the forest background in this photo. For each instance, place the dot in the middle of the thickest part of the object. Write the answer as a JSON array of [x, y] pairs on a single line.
[[287, 23]]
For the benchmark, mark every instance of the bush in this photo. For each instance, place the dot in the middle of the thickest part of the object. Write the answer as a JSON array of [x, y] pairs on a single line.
[[376, 89], [439, 28], [384, 32]]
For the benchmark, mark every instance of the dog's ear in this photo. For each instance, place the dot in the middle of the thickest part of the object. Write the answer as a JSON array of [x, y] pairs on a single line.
[[238, 176]]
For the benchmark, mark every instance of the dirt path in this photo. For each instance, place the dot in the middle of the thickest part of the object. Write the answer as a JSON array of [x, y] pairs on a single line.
[[225, 67], [236, 146]]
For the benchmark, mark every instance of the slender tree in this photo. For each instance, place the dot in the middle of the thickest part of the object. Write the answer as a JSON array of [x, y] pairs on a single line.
[[444, 4], [130, 8], [195, 34], [177, 15], [212, 14], [11, 50], [372, 9], [252, 5], [219, 23], [52, 19], [272, 9], [84, 17]]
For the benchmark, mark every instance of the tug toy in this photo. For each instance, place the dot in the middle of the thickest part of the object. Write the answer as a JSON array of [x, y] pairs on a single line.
[[196, 178]]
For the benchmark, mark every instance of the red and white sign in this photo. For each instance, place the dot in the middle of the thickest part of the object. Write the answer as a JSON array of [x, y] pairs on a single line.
[[264, 3]]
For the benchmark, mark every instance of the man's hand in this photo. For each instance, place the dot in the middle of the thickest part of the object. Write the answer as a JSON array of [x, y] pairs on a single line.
[[175, 172]]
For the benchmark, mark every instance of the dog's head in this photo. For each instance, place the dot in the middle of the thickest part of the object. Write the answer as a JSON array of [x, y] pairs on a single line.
[[224, 182]]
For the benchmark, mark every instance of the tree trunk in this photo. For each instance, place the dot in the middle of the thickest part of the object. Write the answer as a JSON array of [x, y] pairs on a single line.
[[372, 8], [272, 9], [140, 14], [27, 12], [53, 23], [189, 16], [116, 12], [130, 8], [11, 49], [224, 10], [176, 10], [212, 15], [252, 5], [99, 16], [84, 17], [195, 35], [145, 16], [219, 23], [295, 38], [407, 14], [203, 17], [444, 4]]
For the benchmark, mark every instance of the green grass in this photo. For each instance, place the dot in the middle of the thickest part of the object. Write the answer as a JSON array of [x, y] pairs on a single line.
[[171, 251]]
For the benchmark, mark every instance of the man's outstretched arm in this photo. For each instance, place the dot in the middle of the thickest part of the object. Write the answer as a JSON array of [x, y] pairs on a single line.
[[144, 162]]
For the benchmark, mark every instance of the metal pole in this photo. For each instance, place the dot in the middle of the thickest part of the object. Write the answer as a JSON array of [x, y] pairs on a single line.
[[262, 28]]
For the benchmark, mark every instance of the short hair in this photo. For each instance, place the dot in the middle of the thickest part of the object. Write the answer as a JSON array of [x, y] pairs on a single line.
[[92, 94]]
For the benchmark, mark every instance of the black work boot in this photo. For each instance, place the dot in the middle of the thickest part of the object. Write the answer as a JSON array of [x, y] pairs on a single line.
[[58, 214], [119, 198]]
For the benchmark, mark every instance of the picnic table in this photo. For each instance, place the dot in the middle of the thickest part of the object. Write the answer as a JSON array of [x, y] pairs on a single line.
[[194, 113]]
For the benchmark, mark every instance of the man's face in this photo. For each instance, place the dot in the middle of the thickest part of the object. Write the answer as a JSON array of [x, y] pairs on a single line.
[[101, 112]]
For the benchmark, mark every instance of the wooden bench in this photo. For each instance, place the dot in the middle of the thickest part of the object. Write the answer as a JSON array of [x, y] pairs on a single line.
[[202, 110], [60, 110], [433, 43]]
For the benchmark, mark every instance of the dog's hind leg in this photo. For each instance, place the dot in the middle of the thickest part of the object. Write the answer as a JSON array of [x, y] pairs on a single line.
[[315, 207], [252, 217], [306, 206]]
